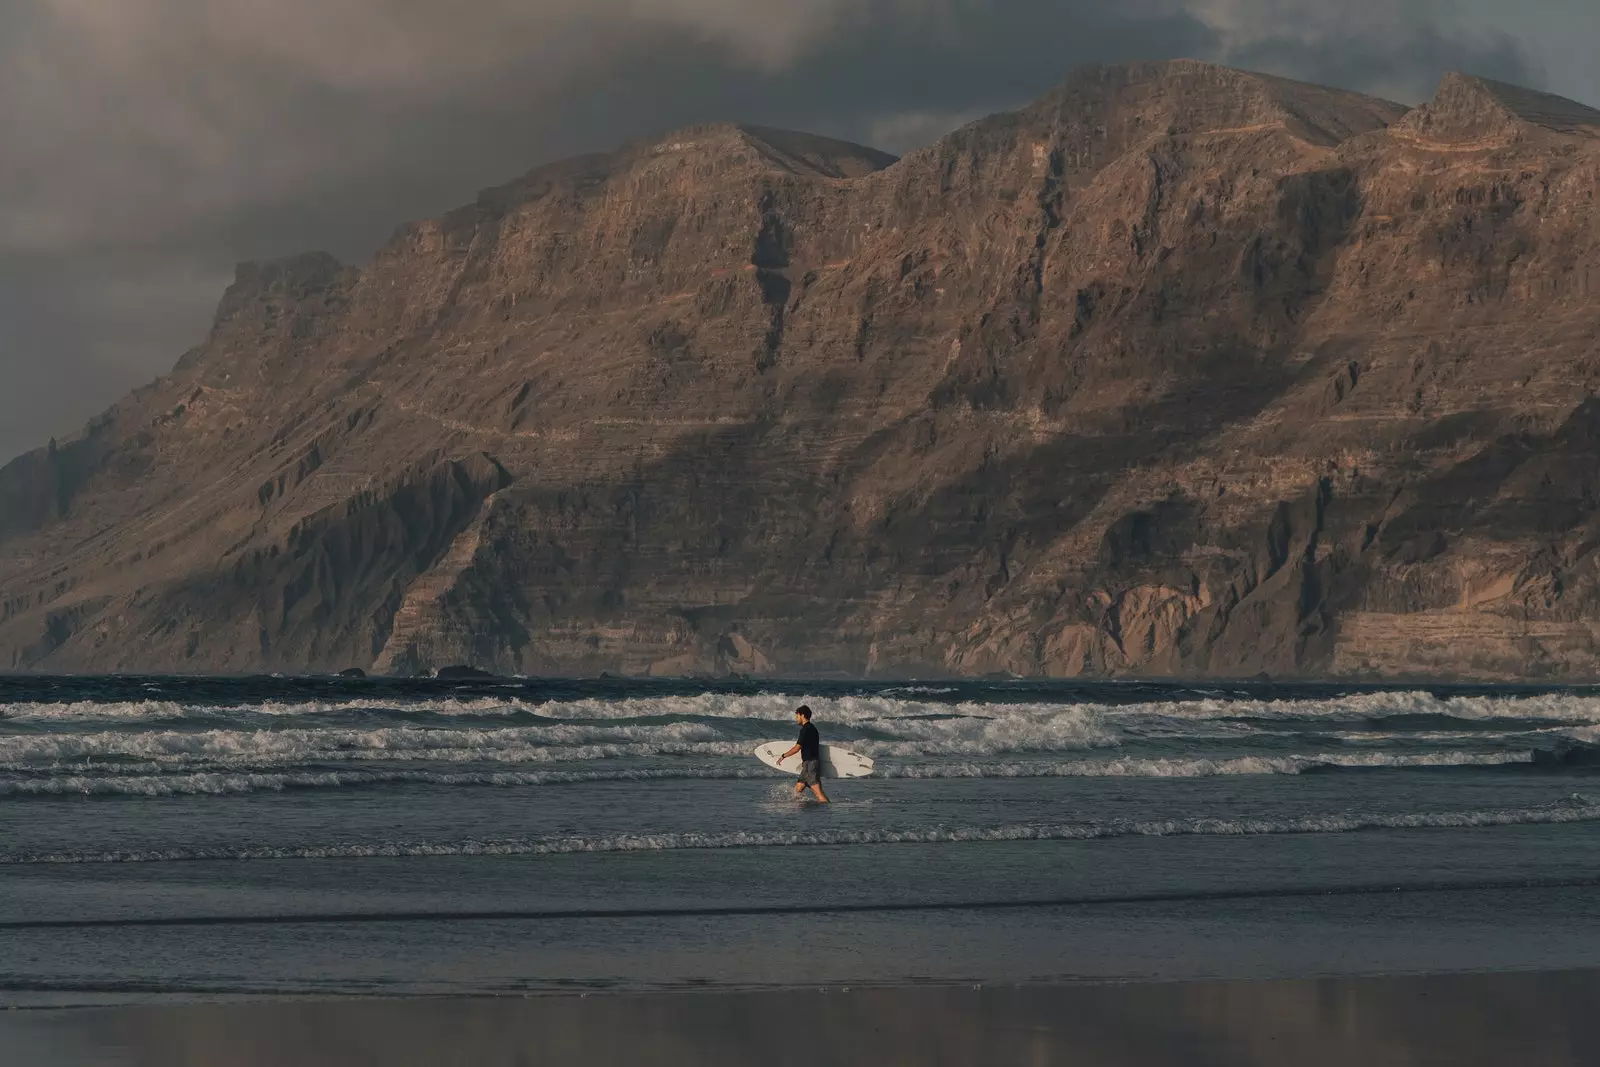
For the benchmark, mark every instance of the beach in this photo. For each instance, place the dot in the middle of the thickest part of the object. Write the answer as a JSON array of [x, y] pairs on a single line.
[[1459, 1020], [316, 871]]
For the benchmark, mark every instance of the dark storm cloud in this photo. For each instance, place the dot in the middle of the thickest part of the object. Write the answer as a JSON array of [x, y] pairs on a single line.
[[150, 145], [1393, 48]]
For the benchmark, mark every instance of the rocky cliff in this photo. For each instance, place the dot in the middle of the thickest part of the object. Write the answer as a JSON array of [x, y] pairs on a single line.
[[1181, 370]]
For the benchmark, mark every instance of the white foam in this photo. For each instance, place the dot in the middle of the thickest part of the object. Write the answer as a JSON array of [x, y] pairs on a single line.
[[892, 703], [1576, 811], [581, 742], [556, 741], [167, 710], [1545, 707], [225, 777], [1022, 730], [223, 784], [908, 736], [1206, 768], [1059, 730]]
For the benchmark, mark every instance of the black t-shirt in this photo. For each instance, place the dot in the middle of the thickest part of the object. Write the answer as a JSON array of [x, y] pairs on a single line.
[[810, 743]]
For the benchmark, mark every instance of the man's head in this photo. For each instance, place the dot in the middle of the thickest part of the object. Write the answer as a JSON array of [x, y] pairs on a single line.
[[802, 714]]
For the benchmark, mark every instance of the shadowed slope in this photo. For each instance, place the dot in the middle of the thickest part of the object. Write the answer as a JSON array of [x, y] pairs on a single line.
[[1166, 373]]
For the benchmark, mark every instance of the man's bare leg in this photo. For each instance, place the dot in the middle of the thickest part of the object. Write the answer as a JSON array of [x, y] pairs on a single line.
[[799, 787], [821, 796]]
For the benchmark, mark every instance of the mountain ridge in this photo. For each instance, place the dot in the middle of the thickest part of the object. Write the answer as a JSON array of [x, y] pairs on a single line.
[[1175, 371]]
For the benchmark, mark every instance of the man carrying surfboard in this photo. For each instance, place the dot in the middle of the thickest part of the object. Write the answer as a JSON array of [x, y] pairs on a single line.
[[809, 746]]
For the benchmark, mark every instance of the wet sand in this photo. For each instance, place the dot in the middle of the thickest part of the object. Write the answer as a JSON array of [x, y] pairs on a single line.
[[1527, 1019]]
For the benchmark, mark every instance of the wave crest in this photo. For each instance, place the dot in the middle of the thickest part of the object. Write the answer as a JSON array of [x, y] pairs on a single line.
[[156, 779]]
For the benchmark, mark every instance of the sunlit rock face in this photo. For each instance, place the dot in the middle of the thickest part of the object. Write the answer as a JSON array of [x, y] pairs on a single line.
[[1179, 371]]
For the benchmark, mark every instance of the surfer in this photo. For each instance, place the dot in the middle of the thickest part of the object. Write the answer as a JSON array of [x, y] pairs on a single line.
[[809, 745]]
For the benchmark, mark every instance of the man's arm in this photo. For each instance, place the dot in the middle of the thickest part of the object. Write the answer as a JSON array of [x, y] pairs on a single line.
[[789, 753]]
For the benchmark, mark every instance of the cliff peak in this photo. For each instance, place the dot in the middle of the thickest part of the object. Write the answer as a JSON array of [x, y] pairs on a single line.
[[711, 145], [821, 156], [1187, 96], [1469, 108], [288, 278], [786, 151]]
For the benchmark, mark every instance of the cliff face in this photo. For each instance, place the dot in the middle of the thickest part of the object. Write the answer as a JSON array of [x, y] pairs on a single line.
[[1181, 370]]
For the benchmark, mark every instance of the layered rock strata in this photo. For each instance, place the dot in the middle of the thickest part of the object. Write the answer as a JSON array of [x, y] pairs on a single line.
[[1179, 371]]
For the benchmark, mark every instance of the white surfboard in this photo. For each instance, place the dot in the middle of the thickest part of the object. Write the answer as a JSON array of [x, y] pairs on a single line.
[[836, 762]]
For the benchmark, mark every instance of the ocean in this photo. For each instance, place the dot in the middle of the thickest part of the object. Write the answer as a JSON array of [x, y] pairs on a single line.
[[166, 838]]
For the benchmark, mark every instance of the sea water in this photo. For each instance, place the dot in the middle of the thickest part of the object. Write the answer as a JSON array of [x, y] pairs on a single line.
[[165, 837]]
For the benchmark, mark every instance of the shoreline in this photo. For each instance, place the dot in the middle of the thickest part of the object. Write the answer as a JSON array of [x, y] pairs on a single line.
[[1457, 1018]]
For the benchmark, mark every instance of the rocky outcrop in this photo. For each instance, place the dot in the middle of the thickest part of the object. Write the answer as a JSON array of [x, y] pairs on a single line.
[[1468, 109], [1179, 371]]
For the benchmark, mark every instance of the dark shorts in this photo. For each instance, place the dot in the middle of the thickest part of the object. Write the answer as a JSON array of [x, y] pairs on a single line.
[[811, 772]]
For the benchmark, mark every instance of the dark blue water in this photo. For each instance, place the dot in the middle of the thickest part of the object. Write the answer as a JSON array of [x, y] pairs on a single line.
[[167, 837]]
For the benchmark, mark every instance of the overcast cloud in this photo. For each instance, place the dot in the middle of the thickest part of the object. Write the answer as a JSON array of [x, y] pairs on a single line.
[[151, 144]]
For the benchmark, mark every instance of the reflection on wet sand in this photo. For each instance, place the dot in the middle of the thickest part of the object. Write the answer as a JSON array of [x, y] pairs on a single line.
[[1484, 1019]]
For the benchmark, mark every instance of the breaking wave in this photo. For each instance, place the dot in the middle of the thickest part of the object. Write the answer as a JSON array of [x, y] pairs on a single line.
[[562, 741], [905, 711], [154, 780], [1208, 768], [175, 748], [222, 783], [890, 703]]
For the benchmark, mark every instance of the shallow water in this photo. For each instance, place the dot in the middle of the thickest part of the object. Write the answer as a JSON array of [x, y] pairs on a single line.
[[185, 837]]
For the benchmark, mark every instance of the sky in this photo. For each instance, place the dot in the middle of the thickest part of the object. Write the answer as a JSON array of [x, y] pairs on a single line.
[[149, 145]]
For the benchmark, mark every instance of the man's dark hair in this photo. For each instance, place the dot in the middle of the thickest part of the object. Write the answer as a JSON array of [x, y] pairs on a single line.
[[805, 711]]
